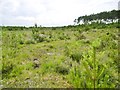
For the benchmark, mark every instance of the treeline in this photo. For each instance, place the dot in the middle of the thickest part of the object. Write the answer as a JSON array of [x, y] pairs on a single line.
[[84, 27], [103, 17], [100, 20], [13, 28]]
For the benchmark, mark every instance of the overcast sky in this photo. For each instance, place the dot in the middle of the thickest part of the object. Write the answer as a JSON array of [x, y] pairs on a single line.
[[50, 12]]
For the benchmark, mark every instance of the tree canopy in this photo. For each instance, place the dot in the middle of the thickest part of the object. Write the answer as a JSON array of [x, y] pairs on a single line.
[[103, 17]]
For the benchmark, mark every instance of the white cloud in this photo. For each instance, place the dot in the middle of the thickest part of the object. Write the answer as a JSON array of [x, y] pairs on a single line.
[[25, 18], [50, 12]]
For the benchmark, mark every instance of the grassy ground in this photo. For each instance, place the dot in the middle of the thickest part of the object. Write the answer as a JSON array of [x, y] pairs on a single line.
[[47, 58]]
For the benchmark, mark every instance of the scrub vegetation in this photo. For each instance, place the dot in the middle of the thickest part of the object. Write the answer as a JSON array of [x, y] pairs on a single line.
[[81, 56]]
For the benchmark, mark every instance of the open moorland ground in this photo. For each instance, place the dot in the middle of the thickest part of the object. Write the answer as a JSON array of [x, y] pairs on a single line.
[[83, 56]]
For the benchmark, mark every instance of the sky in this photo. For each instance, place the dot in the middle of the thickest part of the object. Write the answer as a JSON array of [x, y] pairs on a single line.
[[50, 12]]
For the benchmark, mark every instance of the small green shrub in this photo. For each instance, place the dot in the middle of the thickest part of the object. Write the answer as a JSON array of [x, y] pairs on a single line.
[[16, 71], [86, 29], [37, 36], [48, 67], [21, 42], [74, 77], [76, 56], [64, 36], [80, 31], [40, 39], [86, 41], [61, 37], [67, 50], [6, 70], [62, 69], [80, 37]]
